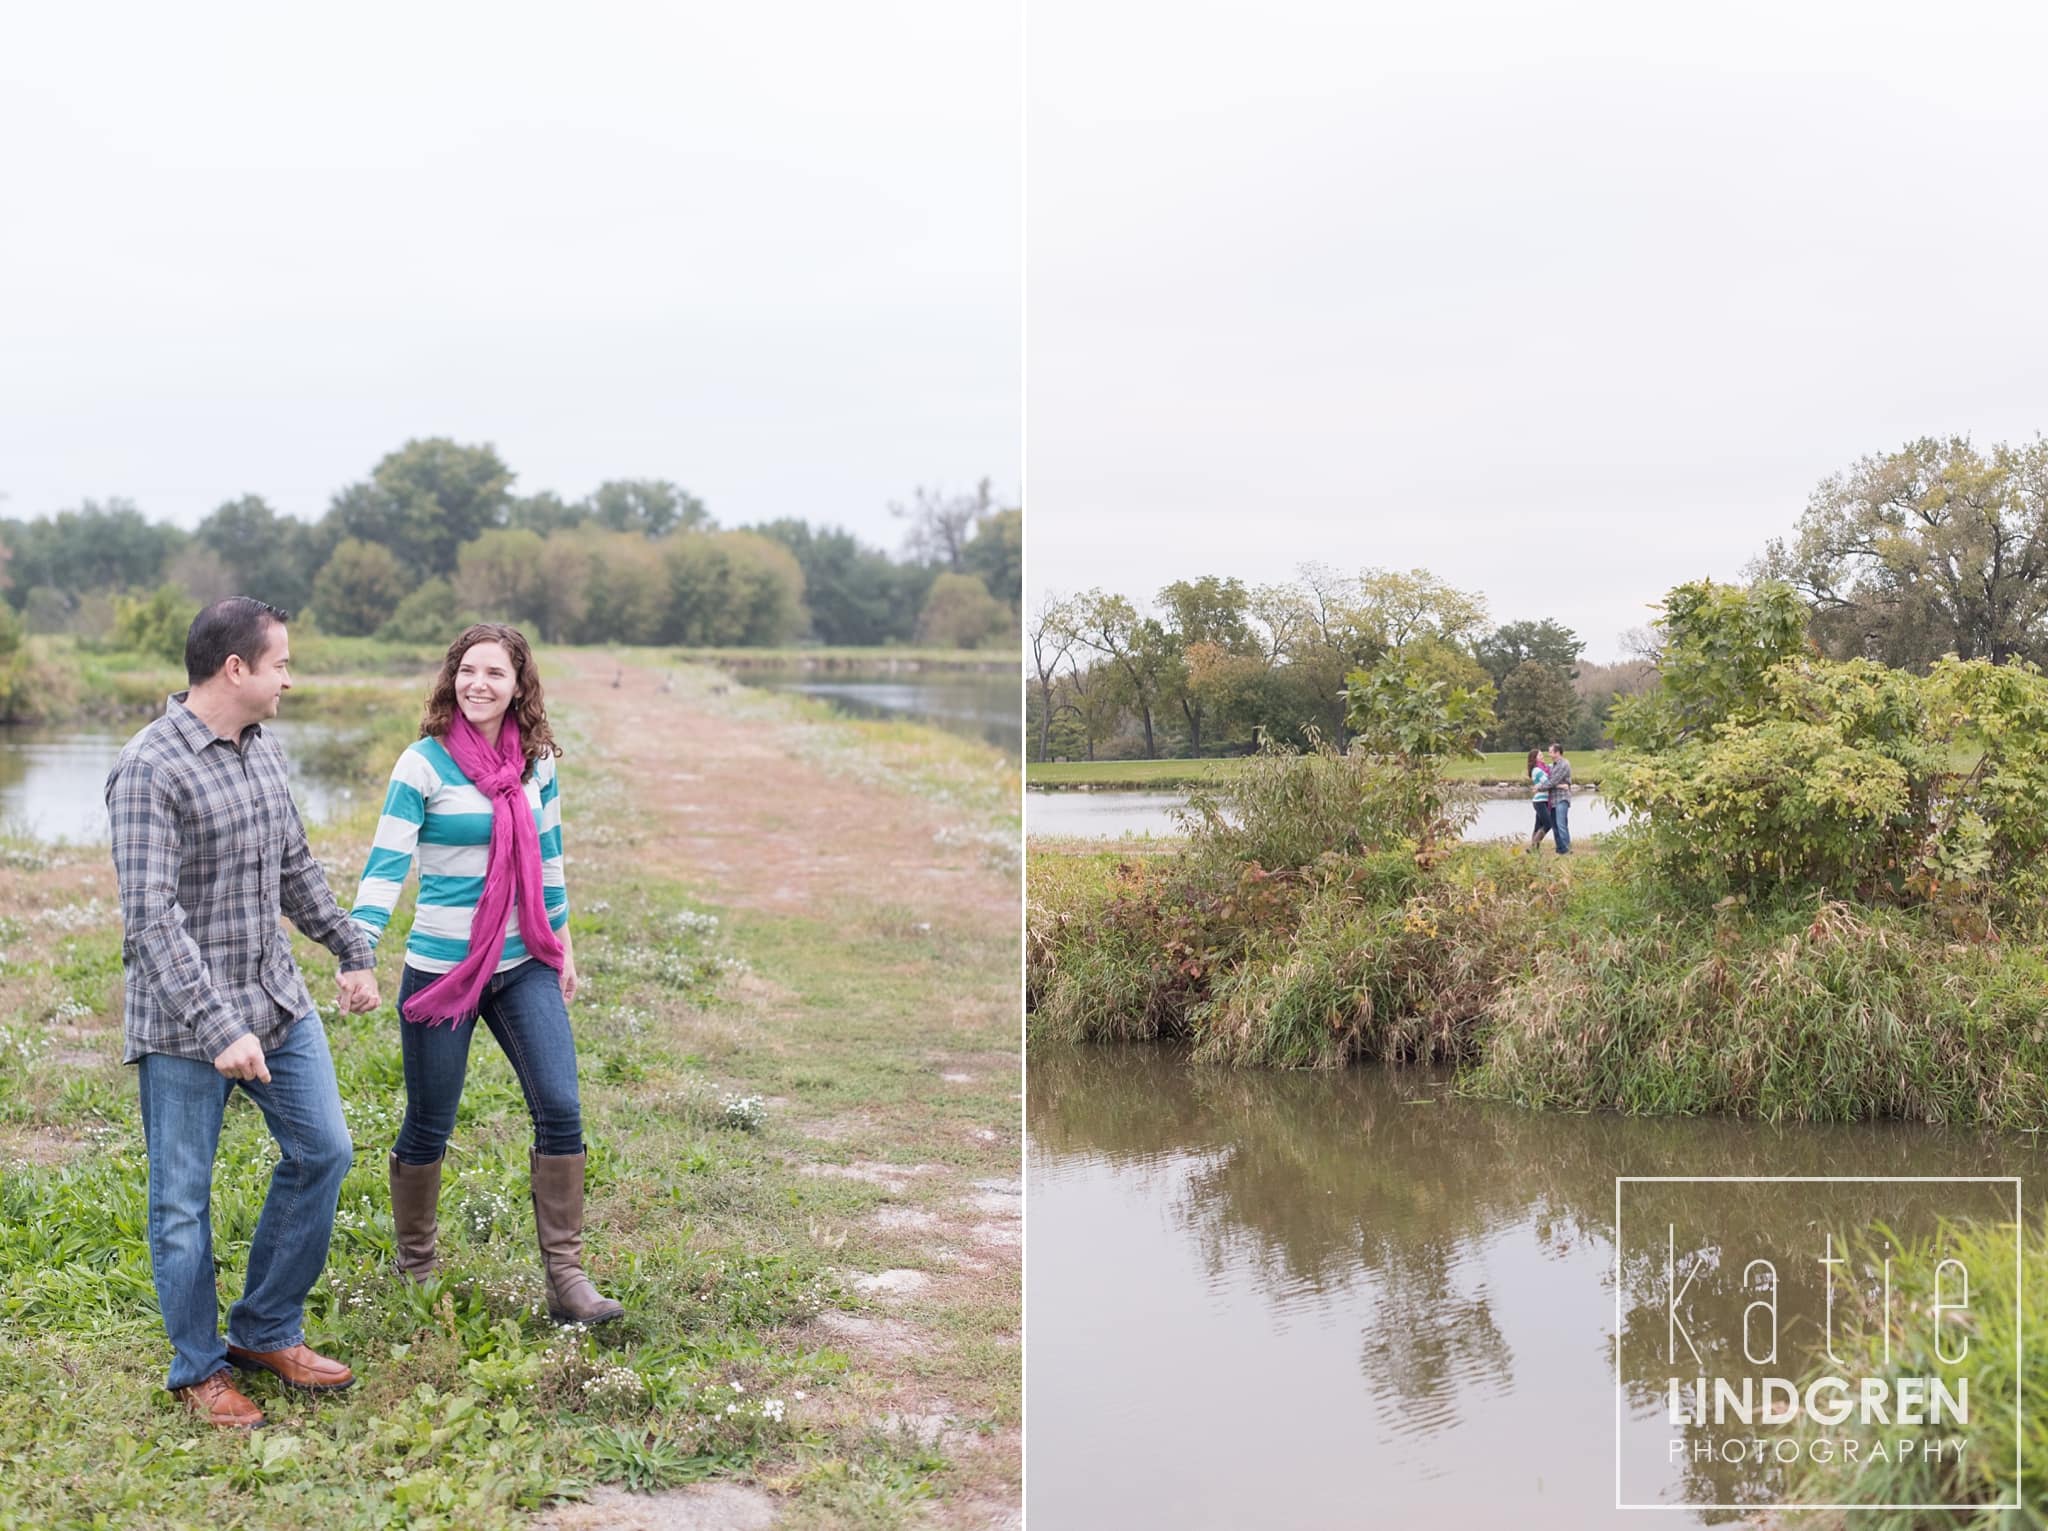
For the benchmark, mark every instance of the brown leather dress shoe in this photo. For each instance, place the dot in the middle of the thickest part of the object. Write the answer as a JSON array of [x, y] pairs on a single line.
[[219, 1402], [300, 1367]]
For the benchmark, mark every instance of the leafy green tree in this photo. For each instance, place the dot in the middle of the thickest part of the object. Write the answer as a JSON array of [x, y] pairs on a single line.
[[423, 501], [154, 624], [270, 556], [1516, 643], [1935, 549], [429, 614], [856, 595], [1207, 615], [503, 576], [1719, 643], [546, 513], [1537, 706], [100, 546], [650, 505], [1397, 712], [1138, 650], [996, 553], [359, 588], [960, 613]]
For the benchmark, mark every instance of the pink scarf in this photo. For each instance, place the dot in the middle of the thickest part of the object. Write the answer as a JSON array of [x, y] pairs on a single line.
[[512, 875]]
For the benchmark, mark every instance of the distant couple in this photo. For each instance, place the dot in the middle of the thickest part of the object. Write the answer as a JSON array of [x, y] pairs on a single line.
[[210, 851], [1550, 780]]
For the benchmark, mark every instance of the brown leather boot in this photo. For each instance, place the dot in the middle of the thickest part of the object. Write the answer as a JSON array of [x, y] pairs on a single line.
[[219, 1402], [558, 1217], [415, 1204]]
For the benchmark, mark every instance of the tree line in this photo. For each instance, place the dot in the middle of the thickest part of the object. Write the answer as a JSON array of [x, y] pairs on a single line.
[[1217, 666], [1937, 549], [436, 534]]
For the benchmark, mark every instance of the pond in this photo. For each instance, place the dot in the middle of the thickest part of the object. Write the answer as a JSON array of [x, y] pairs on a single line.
[[1106, 815], [52, 780], [1335, 1299], [978, 704]]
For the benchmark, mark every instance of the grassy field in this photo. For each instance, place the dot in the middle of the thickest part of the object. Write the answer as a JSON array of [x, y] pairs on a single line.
[[1163, 775], [800, 1083]]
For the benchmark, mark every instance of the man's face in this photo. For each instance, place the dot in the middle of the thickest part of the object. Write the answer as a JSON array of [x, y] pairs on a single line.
[[266, 681]]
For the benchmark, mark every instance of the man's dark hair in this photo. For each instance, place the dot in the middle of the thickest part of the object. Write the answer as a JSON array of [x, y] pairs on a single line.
[[238, 625]]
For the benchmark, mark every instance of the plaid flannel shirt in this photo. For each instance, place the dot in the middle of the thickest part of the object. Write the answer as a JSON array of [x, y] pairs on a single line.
[[209, 851]]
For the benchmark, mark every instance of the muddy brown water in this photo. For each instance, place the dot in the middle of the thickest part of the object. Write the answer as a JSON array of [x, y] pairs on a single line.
[[1354, 1299]]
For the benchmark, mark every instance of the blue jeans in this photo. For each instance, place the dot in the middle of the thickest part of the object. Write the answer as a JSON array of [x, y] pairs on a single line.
[[182, 1103], [523, 1007], [1560, 814]]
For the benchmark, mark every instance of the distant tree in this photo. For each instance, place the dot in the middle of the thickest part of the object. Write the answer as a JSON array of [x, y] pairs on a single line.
[[960, 613], [1515, 643], [100, 546], [1052, 640], [203, 575], [1537, 705], [48, 610], [154, 624], [1208, 615], [270, 556], [430, 614], [423, 501], [942, 525], [359, 588], [503, 576], [546, 513], [1135, 648], [855, 595], [650, 505], [1935, 549], [996, 553]]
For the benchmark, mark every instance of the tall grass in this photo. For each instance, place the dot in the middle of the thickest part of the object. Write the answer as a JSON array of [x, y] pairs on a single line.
[[2006, 1305]]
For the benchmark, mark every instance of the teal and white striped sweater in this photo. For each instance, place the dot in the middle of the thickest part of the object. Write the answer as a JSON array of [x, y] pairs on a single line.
[[432, 811]]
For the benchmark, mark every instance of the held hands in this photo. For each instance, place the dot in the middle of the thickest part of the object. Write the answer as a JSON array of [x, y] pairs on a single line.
[[244, 1060], [568, 978], [359, 991]]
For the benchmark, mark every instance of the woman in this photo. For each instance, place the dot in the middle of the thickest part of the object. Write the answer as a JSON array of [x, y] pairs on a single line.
[[1539, 781], [475, 799]]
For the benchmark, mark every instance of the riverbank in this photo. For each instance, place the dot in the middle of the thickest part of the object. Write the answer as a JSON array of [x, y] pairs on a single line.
[[1569, 984], [1500, 770], [799, 1073]]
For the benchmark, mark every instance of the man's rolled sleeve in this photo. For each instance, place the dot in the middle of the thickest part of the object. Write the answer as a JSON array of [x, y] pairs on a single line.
[[153, 935]]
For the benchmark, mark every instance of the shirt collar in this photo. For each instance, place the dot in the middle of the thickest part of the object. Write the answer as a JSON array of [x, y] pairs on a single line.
[[194, 730]]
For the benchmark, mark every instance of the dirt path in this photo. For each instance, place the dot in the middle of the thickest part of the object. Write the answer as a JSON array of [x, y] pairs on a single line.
[[898, 873]]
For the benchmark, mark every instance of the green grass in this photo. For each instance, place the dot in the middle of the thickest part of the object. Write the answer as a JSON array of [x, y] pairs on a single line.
[[2007, 1305], [1162, 775], [985, 661]]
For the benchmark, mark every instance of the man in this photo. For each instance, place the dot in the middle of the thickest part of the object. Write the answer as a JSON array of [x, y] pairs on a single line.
[[209, 849], [1561, 799]]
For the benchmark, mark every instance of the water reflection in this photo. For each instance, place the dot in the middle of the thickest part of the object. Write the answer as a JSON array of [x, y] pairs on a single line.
[[1277, 1299], [980, 706]]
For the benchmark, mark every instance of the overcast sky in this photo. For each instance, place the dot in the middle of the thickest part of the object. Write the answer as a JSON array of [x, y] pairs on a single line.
[[1564, 303], [769, 251]]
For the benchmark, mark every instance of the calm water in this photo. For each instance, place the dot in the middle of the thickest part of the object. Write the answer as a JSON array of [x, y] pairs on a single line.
[[981, 706], [1336, 1300], [1105, 815], [51, 779]]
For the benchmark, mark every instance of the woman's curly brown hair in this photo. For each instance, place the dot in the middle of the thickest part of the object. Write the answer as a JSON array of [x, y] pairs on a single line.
[[529, 706]]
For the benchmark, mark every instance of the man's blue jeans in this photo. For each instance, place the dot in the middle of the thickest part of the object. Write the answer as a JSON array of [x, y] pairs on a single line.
[[1560, 814], [523, 1007], [182, 1103]]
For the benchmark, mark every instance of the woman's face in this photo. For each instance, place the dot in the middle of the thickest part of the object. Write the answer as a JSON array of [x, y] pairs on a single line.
[[483, 684]]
